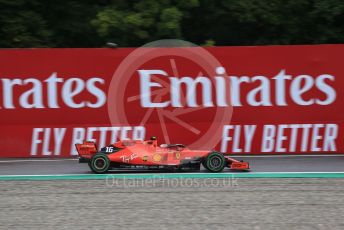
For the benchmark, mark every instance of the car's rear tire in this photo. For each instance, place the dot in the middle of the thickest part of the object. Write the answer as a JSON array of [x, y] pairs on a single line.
[[215, 162], [100, 163]]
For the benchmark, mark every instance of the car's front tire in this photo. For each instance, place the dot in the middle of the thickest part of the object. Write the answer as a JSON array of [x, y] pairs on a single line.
[[204, 164], [215, 162], [100, 163]]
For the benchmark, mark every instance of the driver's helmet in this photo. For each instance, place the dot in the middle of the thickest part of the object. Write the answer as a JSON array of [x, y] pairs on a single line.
[[153, 138]]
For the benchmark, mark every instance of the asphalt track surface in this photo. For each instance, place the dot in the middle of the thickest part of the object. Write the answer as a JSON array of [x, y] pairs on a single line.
[[321, 163], [174, 203]]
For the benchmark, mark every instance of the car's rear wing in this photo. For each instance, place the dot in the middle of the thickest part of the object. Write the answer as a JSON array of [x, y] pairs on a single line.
[[86, 149]]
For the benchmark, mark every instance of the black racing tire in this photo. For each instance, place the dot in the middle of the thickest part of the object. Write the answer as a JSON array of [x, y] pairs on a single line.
[[204, 164], [100, 163], [215, 162]]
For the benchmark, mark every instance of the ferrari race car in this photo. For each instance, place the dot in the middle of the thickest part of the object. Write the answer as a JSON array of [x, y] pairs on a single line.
[[148, 155]]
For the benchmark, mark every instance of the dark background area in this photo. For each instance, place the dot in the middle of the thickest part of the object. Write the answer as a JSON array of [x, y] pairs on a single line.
[[90, 23]]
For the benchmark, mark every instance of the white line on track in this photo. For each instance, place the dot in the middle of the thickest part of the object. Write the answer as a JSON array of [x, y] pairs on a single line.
[[162, 174], [36, 160]]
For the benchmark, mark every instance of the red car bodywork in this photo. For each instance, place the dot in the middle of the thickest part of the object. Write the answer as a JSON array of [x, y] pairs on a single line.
[[147, 154]]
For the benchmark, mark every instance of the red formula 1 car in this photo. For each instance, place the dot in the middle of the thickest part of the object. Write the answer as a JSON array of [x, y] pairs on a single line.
[[148, 155]]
